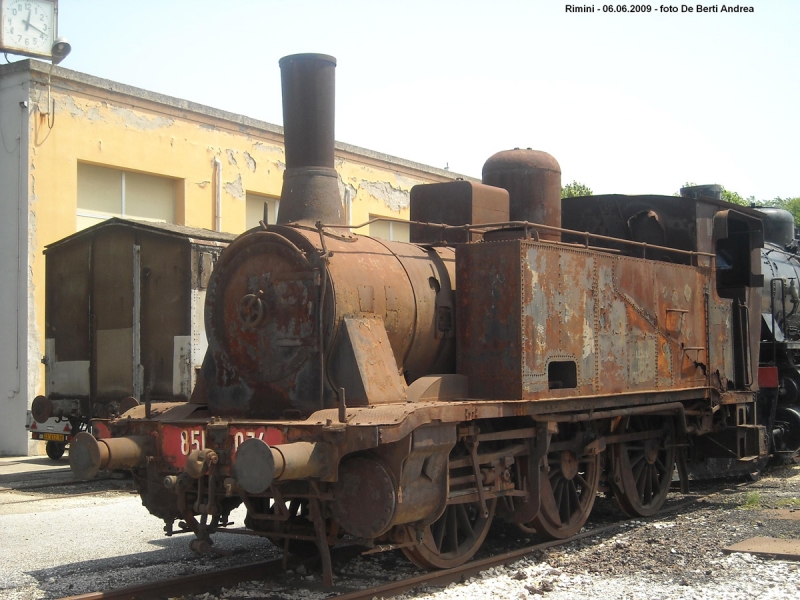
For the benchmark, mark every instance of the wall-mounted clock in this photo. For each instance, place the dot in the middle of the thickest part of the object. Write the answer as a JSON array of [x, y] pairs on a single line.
[[29, 27]]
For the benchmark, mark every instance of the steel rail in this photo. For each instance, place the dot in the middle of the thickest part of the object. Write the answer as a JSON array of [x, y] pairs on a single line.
[[214, 580], [461, 573], [197, 582], [71, 481]]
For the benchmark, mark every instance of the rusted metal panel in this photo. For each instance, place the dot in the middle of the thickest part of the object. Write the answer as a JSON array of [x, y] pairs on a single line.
[[558, 306], [720, 348], [682, 322], [533, 181], [787, 514], [263, 316], [591, 322], [364, 364], [489, 349], [787, 549], [455, 203], [612, 330]]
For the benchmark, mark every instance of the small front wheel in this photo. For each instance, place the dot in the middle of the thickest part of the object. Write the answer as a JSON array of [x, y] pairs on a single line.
[[55, 450]]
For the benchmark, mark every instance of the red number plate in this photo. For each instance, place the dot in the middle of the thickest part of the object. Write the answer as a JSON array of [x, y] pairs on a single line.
[[178, 442], [272, 436]]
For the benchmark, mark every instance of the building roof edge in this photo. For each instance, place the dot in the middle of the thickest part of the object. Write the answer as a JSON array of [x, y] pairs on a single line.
[[43, 69]]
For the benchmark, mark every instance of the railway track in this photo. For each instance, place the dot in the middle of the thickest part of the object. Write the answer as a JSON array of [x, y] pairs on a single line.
[[217, 579]]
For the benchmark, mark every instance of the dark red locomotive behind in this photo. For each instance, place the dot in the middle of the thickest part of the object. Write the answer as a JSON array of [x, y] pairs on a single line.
[[406, 394]]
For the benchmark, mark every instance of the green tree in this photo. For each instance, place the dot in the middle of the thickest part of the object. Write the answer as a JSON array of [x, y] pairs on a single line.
[[575, 190], [733, 197]]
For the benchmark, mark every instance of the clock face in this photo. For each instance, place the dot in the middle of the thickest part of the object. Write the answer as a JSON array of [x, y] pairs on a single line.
[[29, 27]]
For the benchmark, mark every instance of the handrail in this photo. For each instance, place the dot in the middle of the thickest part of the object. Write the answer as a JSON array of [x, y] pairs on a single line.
[[526, 224]]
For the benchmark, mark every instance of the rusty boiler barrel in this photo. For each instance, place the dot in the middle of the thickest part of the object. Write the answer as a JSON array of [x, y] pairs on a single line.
[[274, 305]]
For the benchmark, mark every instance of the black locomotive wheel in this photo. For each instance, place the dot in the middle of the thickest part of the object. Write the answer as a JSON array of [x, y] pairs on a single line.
[[454, 538], [55, 450], [643, 468], [568, 489]]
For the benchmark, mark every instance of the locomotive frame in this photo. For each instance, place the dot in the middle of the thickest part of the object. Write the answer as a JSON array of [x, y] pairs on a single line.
[[402, 395]]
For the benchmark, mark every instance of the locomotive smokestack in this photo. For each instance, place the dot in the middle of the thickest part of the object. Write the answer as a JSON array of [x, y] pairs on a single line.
[[310, 184]]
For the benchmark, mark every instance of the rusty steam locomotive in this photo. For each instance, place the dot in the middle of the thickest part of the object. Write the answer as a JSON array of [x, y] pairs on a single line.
[[500, 364]]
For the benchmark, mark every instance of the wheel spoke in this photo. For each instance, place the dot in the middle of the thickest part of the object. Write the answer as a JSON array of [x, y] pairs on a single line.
[[654, 480], [452, 529], [648, 487], [638, 459], [464, 521], [438, 531], [575, 499], [558, 492]]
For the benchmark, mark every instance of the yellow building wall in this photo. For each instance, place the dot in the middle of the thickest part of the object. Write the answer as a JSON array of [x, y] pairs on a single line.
[[94, 125]]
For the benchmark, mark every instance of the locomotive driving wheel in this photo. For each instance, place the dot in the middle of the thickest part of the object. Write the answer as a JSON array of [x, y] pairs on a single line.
[[643, 467], [568, 486], [454, 538]]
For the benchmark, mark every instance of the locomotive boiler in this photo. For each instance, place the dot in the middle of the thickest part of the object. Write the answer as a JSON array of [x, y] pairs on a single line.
[[514, 359]]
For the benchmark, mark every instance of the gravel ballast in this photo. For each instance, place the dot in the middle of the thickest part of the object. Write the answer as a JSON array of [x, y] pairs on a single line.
[[53, 545]]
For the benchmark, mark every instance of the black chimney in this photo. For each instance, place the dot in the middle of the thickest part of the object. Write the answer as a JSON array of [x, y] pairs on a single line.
[[310, 183]]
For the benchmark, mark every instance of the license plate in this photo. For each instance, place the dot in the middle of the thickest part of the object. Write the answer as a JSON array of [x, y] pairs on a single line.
[[54, 437]]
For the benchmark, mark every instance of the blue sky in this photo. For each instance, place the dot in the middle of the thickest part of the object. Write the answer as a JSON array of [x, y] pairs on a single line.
[[628, 103]]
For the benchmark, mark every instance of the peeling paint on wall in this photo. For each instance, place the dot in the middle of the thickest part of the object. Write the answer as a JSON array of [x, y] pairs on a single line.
[[346, 186], [395, 199], [203, 184], [93, 114], [34, 352], [274, 149], [251, 163], [281, 165], [234, 188], [137, 121], [231, 157], [66, 103], [405, 182]]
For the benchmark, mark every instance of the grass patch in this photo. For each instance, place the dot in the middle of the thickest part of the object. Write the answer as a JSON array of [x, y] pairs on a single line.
[[789, 502], [753, 500]]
